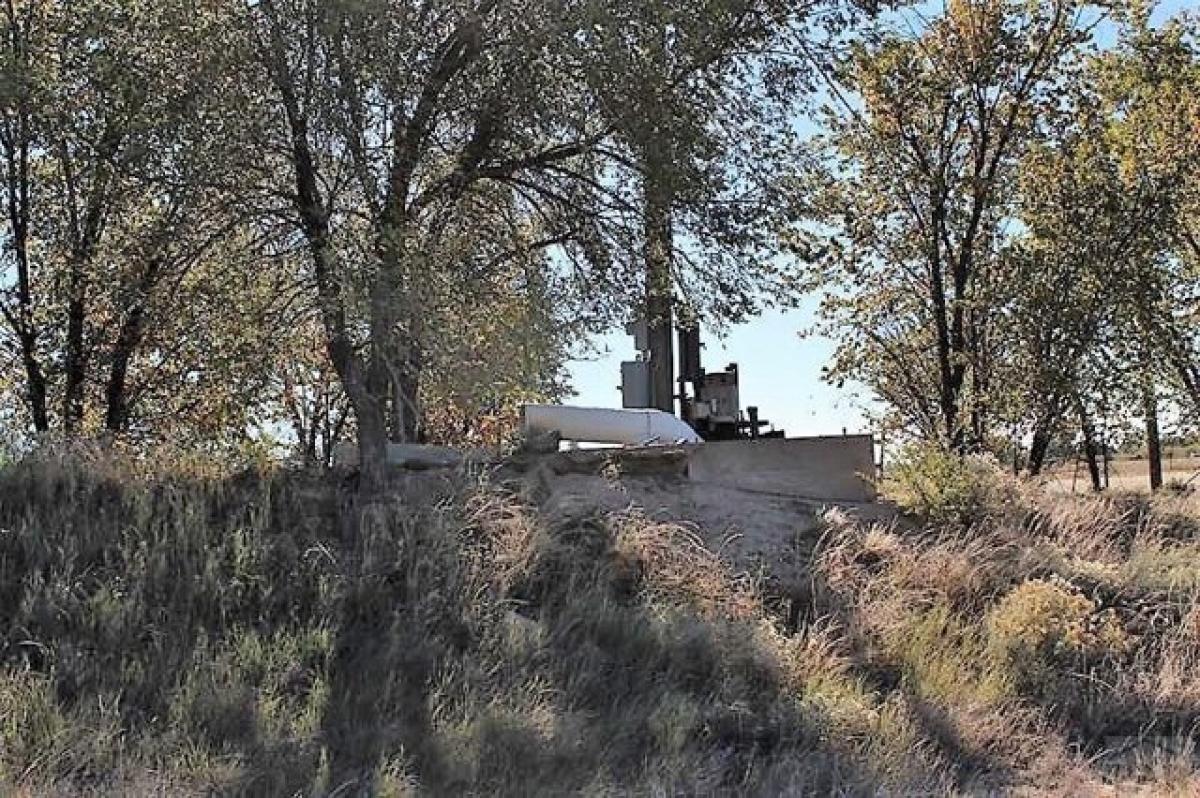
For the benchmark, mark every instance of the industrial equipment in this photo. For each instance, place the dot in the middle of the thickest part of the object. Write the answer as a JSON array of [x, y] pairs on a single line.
[[712, 407]]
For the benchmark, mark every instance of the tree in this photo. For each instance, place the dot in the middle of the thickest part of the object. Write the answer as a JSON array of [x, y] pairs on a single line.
[[478, 370], [703, 98], [117, 257], [470, 117], [492, 121], [1151, 86], [1060, 310], [914, 184], [1102, 206]]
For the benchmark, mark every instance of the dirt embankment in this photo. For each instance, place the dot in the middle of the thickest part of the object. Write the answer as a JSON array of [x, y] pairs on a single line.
[[758, 532]]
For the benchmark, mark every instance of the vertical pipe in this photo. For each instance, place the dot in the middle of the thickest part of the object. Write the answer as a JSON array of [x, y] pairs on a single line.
[[659, 311]]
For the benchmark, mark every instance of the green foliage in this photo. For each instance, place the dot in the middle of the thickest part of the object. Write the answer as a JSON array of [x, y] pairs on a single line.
[[941, 486], [201, 205], [1023, 267], [133, 293], [910, 188]]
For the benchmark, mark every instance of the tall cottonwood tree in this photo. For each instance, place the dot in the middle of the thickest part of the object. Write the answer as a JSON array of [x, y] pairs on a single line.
[[1060, 311], [917, 173], [1096, 319], [115, 255], [472, 115], [533, 127], [703, 98], [1150, 88]]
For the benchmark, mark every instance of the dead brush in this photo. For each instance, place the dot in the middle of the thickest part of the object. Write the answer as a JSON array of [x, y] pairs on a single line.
[[960, 568], [670, 562], [1093, 527], [1177, 515], [1107, 527], [506, 536], [1168, 673]]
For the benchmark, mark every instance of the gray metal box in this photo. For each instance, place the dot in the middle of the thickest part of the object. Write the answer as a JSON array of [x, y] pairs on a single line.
[[720, 391], [635, 383]]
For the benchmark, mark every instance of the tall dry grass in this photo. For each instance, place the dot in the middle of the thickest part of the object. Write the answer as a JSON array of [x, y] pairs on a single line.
[[268, 633], [1052, 638]]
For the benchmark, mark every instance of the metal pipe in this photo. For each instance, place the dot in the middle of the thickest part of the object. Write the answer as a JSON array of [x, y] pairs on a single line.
[[604, 425]]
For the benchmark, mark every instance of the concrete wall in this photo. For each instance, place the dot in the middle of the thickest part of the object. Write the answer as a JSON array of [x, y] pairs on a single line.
[[836, 468]]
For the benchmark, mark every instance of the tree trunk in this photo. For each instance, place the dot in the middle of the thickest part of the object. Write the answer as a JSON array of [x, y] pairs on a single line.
[[1038, 449], [87, 232], [369, 388], [369, 411], [36, 386], [406, 408], [1153, 444], [1043, 433], [116, 411], [947, 395], [129, 338], [21, 320], [1105, 458], [16, 149], [74, 367], [372, 444], [980, 383], [657, 161], [369, 408], [1089, 444], [1148, 290]]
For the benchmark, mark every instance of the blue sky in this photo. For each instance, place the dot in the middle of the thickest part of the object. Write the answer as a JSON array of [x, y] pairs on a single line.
[[780, 371]]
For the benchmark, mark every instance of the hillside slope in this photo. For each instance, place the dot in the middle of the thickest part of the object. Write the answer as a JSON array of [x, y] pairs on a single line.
[[529, 633]]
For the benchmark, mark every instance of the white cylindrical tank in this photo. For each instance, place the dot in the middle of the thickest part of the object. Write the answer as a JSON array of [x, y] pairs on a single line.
[[606, 425]]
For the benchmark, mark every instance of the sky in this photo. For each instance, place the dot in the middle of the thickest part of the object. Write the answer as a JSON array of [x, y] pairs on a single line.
[[779, 371]]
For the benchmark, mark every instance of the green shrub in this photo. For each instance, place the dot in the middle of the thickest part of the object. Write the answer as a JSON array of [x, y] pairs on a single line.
[[928, 481]]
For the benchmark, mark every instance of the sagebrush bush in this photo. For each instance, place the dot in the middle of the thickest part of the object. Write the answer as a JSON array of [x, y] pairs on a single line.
[[1042, 618]]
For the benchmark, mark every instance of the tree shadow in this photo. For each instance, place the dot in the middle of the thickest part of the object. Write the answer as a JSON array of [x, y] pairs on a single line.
[[968, 764], [390, 637], [621, 663]]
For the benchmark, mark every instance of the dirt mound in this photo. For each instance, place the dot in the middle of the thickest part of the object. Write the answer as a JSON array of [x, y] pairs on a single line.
[[758, 532]]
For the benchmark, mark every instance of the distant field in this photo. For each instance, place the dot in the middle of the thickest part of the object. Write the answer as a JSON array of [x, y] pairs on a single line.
[[1125, 474]]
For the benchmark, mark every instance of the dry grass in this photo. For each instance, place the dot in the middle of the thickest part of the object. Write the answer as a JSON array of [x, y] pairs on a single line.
[[1055, 635], [268, 634]]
